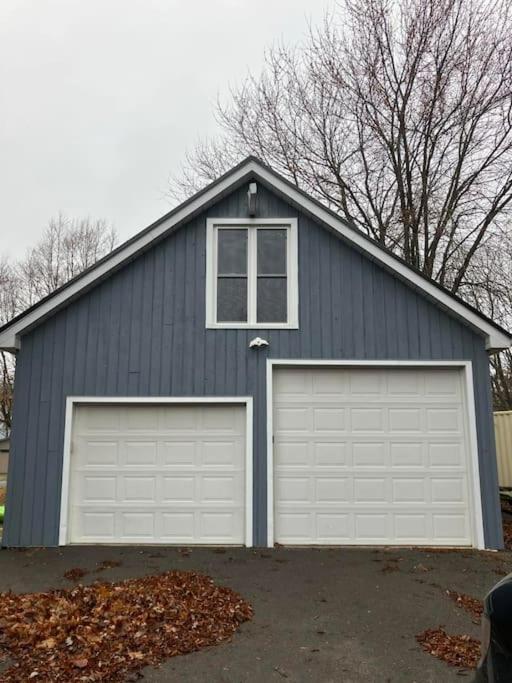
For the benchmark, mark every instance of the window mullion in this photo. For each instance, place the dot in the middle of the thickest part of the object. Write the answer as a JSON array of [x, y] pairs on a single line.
[[252, 273]]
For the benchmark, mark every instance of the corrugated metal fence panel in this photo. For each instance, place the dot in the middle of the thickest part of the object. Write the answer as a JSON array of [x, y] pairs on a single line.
[[503, 429], [142, 332]]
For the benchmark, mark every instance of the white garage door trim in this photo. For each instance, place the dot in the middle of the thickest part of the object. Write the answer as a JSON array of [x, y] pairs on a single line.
[[467, 369], [73, 401]]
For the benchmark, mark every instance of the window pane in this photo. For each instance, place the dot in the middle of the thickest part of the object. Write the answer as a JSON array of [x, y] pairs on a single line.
[[232, 299], [232, 252], [272, 303], [272, 252]]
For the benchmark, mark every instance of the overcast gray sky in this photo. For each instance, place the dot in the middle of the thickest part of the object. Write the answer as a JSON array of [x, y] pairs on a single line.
[[99, 99]]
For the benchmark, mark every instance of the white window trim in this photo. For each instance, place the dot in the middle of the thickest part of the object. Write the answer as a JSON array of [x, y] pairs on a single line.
[[212, 224], [72, 401], [476, 512]]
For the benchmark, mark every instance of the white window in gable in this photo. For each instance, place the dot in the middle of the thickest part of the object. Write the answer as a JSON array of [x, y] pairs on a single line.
[[251, 273]]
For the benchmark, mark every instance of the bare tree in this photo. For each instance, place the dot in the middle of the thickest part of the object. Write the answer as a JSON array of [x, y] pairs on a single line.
[[489, 288], [396, 113], [9, 306], [67, 247]]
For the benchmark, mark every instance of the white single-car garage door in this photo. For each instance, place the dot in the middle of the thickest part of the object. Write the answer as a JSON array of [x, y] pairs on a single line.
[[158, 474], [371, 456]]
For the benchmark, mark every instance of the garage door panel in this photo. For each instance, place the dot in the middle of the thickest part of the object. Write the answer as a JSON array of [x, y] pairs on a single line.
[[220, 453], [448, 490], [138, 418], [329, 454], [444, 420], [331, 527], [372, 454], [293, 489], [409, 490], [294, 454], [179, 489], [365, 383], [372, 527], [149, 484], [178, 527], [180, 419], [96, 419], [439, 383], [333, 489], [370, 490], [366, 420], [328, 384], [382, 463], [411, 527], [138, 453], [100, 453], [95, 524], [329, 419], [136, 489], [177, 453], [445, 454], [138, 525], [94, 489], [221, 489], [450, 526], [406, 383], [221, 418], [406, 454], [296, 527], [220, 526], [406, 420], [293, 419]]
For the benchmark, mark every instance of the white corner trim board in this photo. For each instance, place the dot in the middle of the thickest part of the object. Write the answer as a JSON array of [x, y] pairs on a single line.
[[10, 337], [74, 401], [475, 502]]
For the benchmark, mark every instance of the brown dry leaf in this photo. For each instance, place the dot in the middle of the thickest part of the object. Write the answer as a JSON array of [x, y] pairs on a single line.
[[461, 651], [75, 574], [80, 663], [108, 564], [113, 630]]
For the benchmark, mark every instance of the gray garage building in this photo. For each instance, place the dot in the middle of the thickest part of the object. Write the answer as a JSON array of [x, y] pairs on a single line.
[[251, 369]]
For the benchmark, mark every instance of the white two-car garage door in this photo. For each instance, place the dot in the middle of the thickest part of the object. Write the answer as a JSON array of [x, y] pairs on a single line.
[[371, 456], [158, 474]]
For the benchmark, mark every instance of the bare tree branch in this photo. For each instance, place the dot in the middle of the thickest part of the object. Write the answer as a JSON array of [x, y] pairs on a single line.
[[66, 248]]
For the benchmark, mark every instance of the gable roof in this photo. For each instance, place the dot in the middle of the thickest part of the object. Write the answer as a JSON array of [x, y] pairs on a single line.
[[251, 168]]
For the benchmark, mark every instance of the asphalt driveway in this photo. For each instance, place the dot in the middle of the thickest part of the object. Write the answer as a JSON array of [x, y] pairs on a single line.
[[320, 615]]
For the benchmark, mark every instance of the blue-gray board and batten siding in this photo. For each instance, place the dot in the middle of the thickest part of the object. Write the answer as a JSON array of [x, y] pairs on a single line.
[[141, 332]]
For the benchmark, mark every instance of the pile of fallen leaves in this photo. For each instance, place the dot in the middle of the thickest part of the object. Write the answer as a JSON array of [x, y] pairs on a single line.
[[105, 631], [471, 605], [460, 651], [507, 535]]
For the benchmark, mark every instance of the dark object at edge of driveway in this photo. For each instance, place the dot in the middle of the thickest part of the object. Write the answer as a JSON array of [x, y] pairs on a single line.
[[496, 663]]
